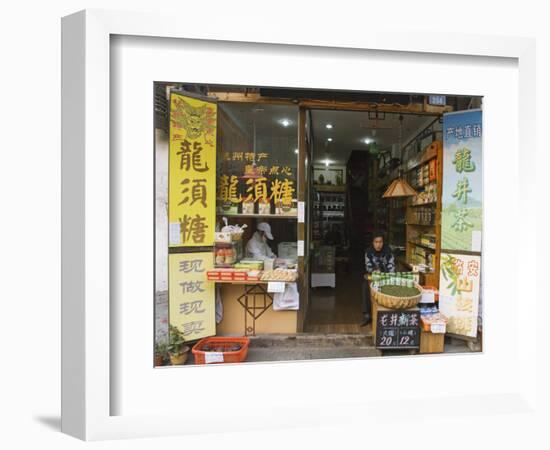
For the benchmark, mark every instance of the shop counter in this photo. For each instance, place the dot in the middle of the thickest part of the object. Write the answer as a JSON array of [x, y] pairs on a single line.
[[248, 310]]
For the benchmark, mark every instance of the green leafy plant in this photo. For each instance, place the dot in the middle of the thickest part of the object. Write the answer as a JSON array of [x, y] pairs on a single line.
[[161, 353], [176, 344], [161, 348]]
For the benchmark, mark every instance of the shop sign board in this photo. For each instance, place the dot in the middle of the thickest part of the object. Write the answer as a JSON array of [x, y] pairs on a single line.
[[397, 329], [192, 300], [459, 288], [262, 184], [192, 171], [461, 214]]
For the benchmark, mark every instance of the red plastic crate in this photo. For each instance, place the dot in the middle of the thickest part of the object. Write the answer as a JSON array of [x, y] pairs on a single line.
[[221, 356]]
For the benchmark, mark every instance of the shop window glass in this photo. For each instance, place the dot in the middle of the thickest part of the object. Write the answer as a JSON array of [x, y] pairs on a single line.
[[257, 159]]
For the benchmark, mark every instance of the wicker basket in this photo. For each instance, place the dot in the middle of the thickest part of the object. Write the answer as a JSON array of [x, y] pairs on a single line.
[[391, 302]]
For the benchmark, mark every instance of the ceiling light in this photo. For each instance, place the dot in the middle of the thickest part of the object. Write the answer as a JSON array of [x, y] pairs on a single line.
[[329, 126], [296, 151], [367, 140], [329, 139], [327, 162], [285, 122]]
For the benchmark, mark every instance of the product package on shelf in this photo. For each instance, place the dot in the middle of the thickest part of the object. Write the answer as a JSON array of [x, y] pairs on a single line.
[[428, 195], [226, 274], [228, 244], [433, 170], [232, 274], [247, 207], [433, 321], [228, 208], [250, 264], [428, 240], [287, 209], [226, 254], [408, 279], [264, 207], [286, 275]]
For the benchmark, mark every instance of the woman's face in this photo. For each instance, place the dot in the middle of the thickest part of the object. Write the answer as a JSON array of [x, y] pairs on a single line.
[[378, 243]]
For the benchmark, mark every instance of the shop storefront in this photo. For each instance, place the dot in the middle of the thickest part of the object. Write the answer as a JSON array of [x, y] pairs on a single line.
[[272, 199]]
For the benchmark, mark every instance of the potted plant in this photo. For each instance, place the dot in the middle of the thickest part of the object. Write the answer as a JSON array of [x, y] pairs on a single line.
[[177, 350], [161, 353]]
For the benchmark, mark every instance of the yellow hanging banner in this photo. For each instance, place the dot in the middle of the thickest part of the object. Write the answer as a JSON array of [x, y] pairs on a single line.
[[192, 300], [191, 171]]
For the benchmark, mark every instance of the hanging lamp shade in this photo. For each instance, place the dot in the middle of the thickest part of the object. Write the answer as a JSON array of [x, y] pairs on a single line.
[[399, 188]]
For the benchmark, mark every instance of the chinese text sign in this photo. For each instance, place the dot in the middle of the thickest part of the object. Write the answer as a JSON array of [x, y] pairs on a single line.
[[461, 215], [192, 299], [398, 329], [192, 171], [459, 292]]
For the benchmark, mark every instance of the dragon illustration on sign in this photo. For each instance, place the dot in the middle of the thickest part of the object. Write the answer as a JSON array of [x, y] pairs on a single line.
[[194, 120]]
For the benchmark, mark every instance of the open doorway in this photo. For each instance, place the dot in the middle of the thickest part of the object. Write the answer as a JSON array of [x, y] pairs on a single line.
[[352, 154]]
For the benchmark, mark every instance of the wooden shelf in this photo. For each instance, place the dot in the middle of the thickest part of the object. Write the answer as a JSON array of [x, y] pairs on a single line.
[[422, 245], [421, 225], [329, 187], [414, 229], [428, 154], [404, 262], [256, 216], [424, 204], [421, 162]]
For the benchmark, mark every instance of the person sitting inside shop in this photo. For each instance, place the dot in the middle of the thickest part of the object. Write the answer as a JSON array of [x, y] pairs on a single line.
[[257, 247], [378, 258]]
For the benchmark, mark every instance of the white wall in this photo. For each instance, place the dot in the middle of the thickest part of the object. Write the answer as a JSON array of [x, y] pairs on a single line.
[[161, 210]]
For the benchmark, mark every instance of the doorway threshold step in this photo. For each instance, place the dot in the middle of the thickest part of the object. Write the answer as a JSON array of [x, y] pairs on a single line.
[[304, 353], [313, 340]]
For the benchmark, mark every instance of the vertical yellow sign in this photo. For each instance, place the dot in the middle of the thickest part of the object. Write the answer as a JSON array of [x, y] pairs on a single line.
[[192, 299], [459, 286], [192, 171]]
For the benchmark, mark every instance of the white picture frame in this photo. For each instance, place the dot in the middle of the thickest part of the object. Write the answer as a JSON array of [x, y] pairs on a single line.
[[89, 328]]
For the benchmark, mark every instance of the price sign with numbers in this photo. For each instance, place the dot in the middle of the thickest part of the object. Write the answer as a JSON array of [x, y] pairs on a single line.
[[398, 329]]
